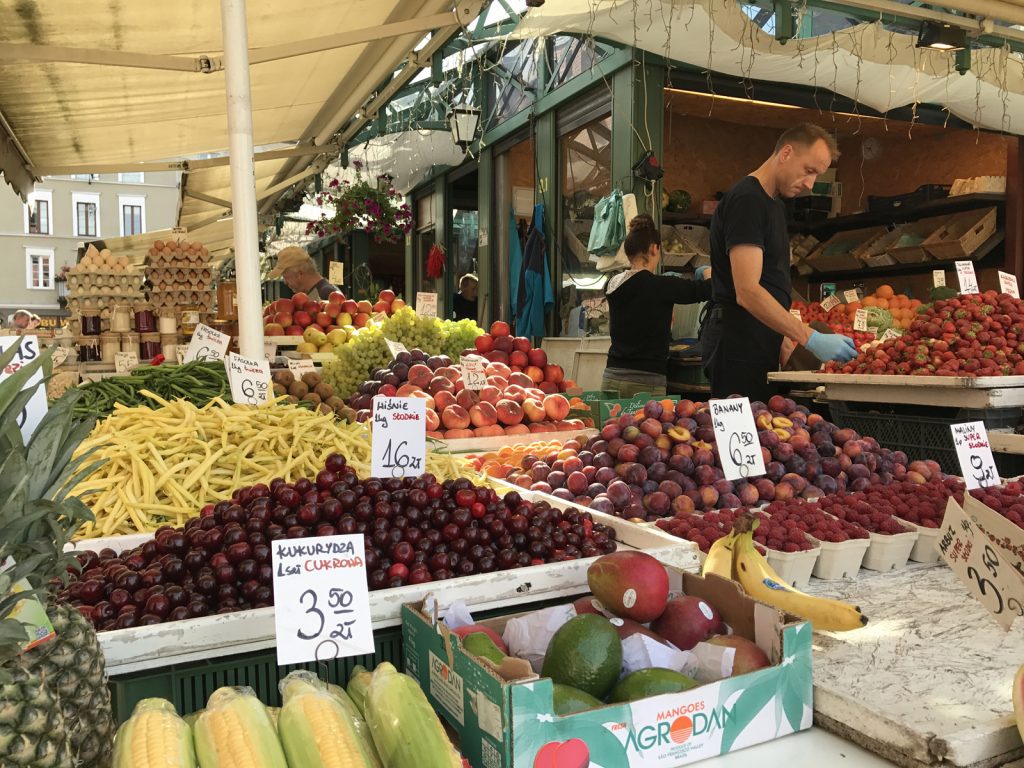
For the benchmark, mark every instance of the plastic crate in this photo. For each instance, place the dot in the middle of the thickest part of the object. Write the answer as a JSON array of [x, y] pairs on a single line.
[[922, 432]]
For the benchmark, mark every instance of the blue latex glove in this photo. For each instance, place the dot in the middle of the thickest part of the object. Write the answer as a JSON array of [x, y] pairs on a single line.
[[831, 346], [701, 273]]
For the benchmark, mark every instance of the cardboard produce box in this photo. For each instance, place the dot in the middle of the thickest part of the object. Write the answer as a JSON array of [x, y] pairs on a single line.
[[507, 722]]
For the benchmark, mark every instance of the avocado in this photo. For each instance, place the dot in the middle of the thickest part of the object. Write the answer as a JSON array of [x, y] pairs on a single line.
[[650, 682], [569, 700], [479, 644], [585, 653]]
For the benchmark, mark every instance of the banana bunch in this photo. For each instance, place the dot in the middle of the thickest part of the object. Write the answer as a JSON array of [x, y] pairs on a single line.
[[734, 557]]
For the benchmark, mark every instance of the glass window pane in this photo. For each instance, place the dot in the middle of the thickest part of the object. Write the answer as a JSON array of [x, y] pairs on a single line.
[[586, 178], [43, 208]]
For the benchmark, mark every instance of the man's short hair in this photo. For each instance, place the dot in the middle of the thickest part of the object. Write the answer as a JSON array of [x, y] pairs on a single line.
[[806, 135], [21, 312], [468, 276]]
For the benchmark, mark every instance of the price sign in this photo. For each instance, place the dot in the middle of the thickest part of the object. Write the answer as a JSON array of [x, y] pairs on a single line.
[[321, 601], [35, 409], [975, 455], [830, 302], [1007, 537], [990, 579], [892, 333], [736, 438], [965, 274], [474, 375], [394, 347], [860, 320], [60, 354], [124, 362], [426, 304], [179, 232], [851, 296], [796, 313], [939, 278], [335, 273], [269, 350], [398, 442], [207, 344], [301, 367], [379, 317], [249, 379], [1008, 284], [181, 351]]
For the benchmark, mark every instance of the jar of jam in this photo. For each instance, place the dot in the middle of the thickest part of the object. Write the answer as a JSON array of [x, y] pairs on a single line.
[[167, 324], [190, 319], [88, 349], [90, 322], [145, 319], [169, 346], [120, 319], [227, 300], [110, 345], [149, 346]]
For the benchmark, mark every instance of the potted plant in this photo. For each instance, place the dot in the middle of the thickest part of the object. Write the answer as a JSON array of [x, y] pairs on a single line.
[[359, 206]]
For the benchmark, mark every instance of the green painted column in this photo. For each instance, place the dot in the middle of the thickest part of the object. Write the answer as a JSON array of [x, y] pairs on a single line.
[[487, 233], [360, 262], [546, 149], [638, 124]]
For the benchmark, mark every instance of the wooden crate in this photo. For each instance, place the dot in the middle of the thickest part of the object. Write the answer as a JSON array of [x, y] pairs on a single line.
[[923, 229], [962, 235], [844, 250]]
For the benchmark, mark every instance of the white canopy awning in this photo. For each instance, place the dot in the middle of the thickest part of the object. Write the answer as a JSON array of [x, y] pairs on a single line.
[[881, 69]]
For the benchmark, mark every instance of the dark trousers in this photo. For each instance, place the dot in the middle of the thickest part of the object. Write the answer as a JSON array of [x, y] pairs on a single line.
[[739, 353]]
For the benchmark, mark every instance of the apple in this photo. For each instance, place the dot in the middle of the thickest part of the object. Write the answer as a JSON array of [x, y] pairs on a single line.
[[521, 344], [386, 296], [382, 306], [300, 300], [360, 320], [499, 328], [537, 357], [273, 329], [303, 318], [284, 318], [323, 319], [284, 305], [397, 304], [349, 307], [293, 330], [336, 297], [364, 307]]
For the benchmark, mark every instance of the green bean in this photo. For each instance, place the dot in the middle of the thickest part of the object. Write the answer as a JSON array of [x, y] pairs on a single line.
[[197, 382]]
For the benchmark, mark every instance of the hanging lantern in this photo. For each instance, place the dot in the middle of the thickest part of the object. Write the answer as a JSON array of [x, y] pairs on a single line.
[[463, 122]]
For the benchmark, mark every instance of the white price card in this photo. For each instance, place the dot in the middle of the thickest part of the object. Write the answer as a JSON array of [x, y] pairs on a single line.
[[736, 437], [394, 347], [1008, 284], [335, 273], [796, 313], [426, 304], [975, 455], [965, 274], [398, 441], [1007, 536], [179, 232], [379, 317], [891, 333], [860, 320], [207, 344], [851, 296], [321, 599], [831, 302], [34, 411], [269, 350], [60, 354], [124, 362], [939, 278], [981, 565], [249, 379], [301, 367], [474, 374]]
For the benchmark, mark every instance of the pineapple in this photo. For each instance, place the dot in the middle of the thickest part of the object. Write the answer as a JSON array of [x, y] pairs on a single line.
[[54, 701]]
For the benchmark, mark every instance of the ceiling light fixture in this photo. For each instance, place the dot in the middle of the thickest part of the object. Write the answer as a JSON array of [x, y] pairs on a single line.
[[941, 37]]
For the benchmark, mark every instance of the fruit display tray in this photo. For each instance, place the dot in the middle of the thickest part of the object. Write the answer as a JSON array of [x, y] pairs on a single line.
[[840, 559], [474, 444], [927, 681], [209, 637], [926, 548], [890, 552], [948, 391], [320, 357]]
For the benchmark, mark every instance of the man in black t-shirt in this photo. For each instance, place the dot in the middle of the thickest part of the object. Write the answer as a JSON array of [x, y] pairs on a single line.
[[751, 281]]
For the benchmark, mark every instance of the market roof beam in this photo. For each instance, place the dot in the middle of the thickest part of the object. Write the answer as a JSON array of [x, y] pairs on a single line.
[[22, 52], [206, 198]]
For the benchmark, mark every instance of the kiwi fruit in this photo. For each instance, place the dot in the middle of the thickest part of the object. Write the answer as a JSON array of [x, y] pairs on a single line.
[[326, 391], [325, 409], [298, 389], [312, 397], [280, 389], [311, 379], [284, 378], [293, 399]]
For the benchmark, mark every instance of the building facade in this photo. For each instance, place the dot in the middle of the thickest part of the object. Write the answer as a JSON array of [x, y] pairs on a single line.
[[41, 237]]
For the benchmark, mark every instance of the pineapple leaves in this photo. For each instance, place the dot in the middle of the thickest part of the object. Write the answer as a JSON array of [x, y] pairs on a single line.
[[47, 442]]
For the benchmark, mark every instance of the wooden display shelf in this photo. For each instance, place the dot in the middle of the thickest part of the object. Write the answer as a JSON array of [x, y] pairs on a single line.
[[941, 391], [1006, 442]]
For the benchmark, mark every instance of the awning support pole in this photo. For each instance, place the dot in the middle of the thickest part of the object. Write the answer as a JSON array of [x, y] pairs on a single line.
[[243, 178]]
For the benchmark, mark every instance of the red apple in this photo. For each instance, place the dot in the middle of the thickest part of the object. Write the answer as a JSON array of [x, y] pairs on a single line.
[[300, 300], [499, 328], [484, 343], [293, 330], [273, 329], [537, 357], [323, 319], [349, 307], [521, 344]]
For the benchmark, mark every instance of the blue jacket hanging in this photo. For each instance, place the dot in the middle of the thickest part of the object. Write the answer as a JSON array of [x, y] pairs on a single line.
[[535, 297], [515, 263]]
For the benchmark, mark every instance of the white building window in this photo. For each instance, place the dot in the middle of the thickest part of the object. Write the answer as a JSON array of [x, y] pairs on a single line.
[[133, 214], [39, 269], [132, 178], [85, 176], [86, 214], [39, 213]]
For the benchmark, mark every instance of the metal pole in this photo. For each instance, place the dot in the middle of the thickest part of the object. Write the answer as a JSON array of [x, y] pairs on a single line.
[[243, 177]]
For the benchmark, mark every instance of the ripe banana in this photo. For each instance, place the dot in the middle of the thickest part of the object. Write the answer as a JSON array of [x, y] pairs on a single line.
[[720, 558], [762, 583]]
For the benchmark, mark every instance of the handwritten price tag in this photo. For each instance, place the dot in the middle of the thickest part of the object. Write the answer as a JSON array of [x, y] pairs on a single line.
[[426, 304], [335, 273], [379, 317], [1008, 284], [796, 313], [124, 362], [860, 320], [395, 347], [975, 455], [830, 303], [892, 333], [990, 579], [736, 438], [474, 375], [249, 379], [965, 274], [35, 409], [60, 354], [269, 350], [301, 367], [398, 442], [851, 296], [207, 344], [321, 601], [939, 278]]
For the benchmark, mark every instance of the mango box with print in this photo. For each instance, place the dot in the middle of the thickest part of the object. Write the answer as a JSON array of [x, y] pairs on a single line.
[[509, 722], [608, 409]]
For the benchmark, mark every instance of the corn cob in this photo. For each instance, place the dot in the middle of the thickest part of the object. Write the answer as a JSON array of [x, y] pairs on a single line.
[[358, 682], [236, 731], [154, 737], [358, 721], [406, 731], [316, 731]]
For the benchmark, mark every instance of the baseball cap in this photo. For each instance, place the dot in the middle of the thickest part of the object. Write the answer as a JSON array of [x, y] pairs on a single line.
[[292, 256]]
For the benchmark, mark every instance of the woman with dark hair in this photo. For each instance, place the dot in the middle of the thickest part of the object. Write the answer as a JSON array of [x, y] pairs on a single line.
[[640, 307]]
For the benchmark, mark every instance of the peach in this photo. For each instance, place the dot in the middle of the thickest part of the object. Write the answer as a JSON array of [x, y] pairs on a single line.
[[489, 394], [499, 382], [438, 383], [449, 372], [515, 392], [455, 417], [536, 374], [442, 399], [467, 398], [534, 410], [435, 434], [554, 373], [565, 426], [548, 388], [387, 390], [509, 412], [499, 328], [542, 426], [556, 407], [456, 434], [406, 390], [521, 380], [517, 358], [433, 421], [483, 415], [498, 369], [537, 357], [420, 375], [517, 429], [484, 343], [503, 344], [425, 396]]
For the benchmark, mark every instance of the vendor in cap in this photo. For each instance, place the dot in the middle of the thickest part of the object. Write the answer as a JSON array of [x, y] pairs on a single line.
[[300, 274]]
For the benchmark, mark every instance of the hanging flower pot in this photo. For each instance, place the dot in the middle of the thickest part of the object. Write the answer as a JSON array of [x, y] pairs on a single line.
[[359, 206]]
